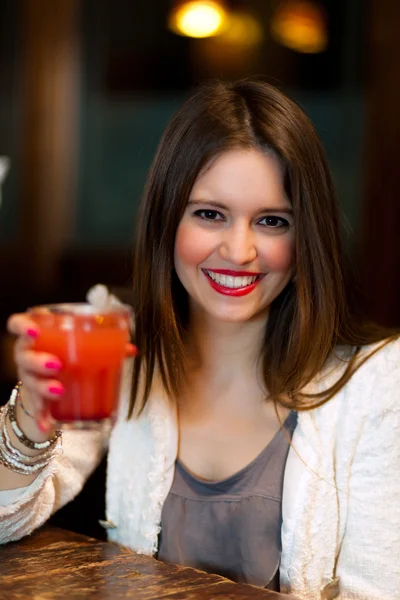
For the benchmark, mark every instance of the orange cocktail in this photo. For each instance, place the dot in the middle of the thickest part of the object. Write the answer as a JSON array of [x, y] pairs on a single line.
[[91, 344]]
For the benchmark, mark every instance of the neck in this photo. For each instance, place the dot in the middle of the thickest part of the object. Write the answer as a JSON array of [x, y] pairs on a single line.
[[221, 349]]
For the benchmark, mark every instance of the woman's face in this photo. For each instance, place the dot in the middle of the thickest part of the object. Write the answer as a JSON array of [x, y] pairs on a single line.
[[234, 246]]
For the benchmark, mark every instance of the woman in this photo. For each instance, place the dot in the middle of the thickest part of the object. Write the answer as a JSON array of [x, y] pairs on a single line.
[[247, 339]]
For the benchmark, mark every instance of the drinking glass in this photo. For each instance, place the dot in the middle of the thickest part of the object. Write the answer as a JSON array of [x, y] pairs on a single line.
[[91, 344]]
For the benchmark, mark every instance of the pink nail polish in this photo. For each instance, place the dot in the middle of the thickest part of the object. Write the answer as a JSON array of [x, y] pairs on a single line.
[[55, 389], [41, 426], [51, 364], [32, 333]]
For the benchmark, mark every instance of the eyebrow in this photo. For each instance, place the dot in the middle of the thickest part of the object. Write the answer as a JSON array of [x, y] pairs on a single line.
[[287, 211]]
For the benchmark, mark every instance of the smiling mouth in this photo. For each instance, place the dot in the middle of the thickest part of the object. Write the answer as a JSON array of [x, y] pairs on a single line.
[[230, 281], [226, 283]]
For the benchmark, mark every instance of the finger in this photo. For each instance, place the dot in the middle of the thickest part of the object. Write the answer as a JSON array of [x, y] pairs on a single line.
[[131, 350], [38, 363], [47, 389], [21, 325], [22, 344]]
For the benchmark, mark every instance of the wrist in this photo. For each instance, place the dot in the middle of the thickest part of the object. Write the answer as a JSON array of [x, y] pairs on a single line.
[[18, 452], [28, 422]]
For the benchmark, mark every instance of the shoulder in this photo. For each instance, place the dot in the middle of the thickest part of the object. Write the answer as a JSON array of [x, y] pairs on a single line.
[[374, 386], [378, 375], [382, 356]]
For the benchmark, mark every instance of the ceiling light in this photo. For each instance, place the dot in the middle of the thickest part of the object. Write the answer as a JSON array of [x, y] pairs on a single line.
[[197, 19]]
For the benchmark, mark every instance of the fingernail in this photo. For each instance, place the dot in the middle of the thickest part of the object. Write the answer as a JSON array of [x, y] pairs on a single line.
[[55, 389], [43, 421], [32, 333], [42, 425], [131, 350], [52, 364]]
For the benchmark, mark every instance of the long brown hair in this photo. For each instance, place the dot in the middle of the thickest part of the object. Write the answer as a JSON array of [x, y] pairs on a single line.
[[313, 314]]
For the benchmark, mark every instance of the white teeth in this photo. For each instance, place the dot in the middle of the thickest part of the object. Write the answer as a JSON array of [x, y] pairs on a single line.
[[230, 281]]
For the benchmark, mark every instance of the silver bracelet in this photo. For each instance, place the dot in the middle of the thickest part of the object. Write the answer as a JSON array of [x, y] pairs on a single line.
[[25, 458], [17, 467], [17, 461], [10, 406]]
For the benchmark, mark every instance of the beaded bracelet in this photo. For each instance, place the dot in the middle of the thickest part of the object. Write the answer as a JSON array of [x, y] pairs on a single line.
[[18, 431], [17, 461], [8, 465], [18, 466], [8, 448]]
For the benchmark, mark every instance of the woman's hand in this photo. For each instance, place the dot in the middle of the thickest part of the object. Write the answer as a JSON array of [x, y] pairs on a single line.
[[36, 370]]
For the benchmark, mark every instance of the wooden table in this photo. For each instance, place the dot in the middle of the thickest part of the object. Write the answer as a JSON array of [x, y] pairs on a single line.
[[54, 564]]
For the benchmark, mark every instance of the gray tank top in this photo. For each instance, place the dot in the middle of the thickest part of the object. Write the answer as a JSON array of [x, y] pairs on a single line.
[[230, 527]]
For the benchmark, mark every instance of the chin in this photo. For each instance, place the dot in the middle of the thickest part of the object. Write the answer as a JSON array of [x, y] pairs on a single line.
[[236, 316]]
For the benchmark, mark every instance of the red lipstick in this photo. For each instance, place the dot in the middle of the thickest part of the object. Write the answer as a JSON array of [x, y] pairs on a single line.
[[236, 292]]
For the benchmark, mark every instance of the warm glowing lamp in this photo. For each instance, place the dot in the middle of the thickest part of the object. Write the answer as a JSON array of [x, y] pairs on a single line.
[[301, 26], [243, 29], [198, 18]]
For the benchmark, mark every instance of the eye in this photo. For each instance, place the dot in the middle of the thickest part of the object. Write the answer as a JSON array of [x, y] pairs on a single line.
[[273, 222], [208, 215]]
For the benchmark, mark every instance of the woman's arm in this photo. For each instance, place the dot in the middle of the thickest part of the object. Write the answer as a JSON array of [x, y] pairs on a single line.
[[369, 561], [27, 501], [63, 478], [55, 486]]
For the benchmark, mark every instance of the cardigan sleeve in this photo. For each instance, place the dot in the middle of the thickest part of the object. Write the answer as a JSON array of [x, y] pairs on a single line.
[[55, 486], [369, 558], [24, 510]]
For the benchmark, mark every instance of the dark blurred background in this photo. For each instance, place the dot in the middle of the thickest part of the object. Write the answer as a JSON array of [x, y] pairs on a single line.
[[87, 86]]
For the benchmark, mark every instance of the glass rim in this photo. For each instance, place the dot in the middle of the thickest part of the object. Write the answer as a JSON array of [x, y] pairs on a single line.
[[79, 309]]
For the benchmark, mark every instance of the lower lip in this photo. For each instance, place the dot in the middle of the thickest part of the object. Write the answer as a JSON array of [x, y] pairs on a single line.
[[242, 291]]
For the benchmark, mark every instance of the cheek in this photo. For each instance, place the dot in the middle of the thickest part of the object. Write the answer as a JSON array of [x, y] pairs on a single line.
[[278, 253], [192, 246]]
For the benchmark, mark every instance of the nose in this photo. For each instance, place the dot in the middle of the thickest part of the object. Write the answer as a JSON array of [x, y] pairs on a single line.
[[238, 245]]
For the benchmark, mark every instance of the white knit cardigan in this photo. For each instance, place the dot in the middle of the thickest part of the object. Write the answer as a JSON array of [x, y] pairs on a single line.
[[341, 494]]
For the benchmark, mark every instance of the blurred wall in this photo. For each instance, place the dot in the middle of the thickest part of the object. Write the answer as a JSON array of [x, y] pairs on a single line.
[[120, 124], [87, 88], [118, 140], [9, 116]]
